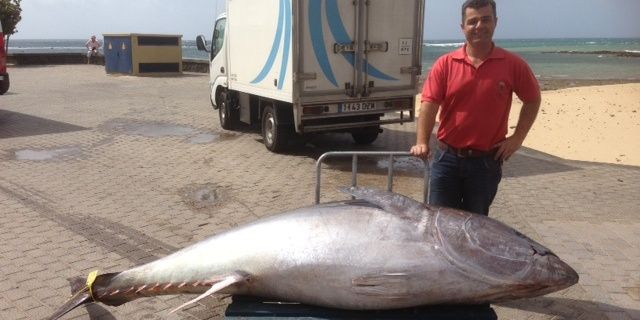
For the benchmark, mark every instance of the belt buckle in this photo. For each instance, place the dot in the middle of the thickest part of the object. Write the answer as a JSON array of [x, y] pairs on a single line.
[[469, 153], [463, 152]]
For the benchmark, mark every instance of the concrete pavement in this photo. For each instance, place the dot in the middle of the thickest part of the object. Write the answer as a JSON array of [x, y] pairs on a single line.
[[106, 172]]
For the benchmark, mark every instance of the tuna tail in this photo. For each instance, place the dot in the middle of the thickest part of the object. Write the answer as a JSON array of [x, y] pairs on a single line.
[[83, 293], [79, 298]]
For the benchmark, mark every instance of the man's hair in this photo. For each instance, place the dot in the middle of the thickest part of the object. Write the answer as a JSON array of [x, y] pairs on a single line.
[[477, 4]]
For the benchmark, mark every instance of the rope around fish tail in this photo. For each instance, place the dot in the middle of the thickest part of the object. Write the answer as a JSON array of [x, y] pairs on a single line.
[[81, 297]]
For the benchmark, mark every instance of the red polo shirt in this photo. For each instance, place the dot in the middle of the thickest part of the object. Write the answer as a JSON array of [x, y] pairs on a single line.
[[475, 102]]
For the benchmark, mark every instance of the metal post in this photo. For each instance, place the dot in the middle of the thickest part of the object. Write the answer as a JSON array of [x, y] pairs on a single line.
[[390, 174], [354, 172], [427, 181]]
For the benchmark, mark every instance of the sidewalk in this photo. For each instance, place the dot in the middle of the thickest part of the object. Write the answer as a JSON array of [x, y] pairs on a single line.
[[107, 172]]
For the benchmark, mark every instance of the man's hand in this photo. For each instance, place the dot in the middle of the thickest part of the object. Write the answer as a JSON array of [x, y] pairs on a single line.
[[527, 116], [508, 147], [421, 151]]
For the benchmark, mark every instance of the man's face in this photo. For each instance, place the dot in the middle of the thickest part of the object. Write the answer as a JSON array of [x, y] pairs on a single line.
[[479, 24], [93, 38]]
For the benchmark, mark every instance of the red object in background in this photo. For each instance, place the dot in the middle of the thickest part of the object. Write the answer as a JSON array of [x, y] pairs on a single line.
[[4, 76]]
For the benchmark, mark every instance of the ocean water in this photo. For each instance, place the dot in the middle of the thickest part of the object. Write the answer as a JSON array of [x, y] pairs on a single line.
[[549, 58]]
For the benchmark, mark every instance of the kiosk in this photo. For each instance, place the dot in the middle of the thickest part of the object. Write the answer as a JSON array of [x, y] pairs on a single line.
[[143, 54]]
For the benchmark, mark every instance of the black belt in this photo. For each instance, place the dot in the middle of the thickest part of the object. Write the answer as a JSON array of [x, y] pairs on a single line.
[[466, 152]]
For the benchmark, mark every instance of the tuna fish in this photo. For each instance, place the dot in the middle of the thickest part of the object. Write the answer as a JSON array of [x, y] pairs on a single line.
[[380, 251]]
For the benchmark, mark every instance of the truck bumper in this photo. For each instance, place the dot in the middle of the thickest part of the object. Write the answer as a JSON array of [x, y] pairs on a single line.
[[348, 115], [328, 124]]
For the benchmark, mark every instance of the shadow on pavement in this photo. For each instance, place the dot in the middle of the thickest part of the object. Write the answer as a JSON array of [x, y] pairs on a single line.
[[96, 311], [15, 124], [562, 308], [527, 162], [115, 237]]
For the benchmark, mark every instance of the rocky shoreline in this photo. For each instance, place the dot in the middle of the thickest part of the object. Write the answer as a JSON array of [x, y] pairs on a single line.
[[556, 84], [627, 54]]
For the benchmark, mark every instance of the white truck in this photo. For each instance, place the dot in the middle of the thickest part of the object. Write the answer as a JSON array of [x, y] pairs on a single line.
[[305, 66]]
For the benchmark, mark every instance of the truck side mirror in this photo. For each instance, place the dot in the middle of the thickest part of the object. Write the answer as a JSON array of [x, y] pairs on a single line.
[[201, 43]]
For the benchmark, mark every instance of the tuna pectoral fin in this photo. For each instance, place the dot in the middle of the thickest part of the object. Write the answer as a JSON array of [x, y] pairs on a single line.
[[390, 285], [226, 281]]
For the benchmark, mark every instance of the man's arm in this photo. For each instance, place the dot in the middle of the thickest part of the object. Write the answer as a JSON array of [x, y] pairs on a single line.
[[527, 117], [426, 122]]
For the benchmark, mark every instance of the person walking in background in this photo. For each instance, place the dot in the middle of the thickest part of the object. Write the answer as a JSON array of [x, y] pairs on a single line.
[[472, 88], [92, 48]]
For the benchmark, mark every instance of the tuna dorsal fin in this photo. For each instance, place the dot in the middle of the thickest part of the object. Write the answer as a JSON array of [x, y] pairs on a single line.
[[226, 281], [389, 201]]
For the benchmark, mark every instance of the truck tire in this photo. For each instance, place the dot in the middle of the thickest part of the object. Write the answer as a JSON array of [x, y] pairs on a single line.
[[274, 134], [365, 136], [228, 114], [4, 85]]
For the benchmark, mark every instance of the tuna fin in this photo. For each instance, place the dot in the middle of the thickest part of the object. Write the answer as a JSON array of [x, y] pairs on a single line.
[[389, 285], [226, 281], [79, 298], [81, 290], [392, 202]]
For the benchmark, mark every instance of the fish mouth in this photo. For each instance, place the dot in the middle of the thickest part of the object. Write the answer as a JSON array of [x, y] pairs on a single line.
[[547, 274], [559, 275]]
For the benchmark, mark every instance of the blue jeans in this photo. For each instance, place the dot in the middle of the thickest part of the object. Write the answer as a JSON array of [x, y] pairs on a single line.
[[469, 184]]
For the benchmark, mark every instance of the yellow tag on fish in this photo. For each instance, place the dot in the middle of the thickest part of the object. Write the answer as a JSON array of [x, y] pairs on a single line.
[[90, 280]]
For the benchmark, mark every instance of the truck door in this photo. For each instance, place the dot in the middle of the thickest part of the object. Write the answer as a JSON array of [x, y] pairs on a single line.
[[328, 46], [218, 61], [391, 36], [355, 47]]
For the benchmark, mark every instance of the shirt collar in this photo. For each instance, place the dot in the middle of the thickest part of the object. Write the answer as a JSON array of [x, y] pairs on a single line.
[[461, 54]]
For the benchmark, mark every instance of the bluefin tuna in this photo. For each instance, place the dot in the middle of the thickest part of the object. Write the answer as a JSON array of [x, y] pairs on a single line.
[[380, 251]]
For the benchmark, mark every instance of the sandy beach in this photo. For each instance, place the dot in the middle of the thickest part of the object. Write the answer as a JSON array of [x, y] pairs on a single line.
[[588, 121], [596, 123]]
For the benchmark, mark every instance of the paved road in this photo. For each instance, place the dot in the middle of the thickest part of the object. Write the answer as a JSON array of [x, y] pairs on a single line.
[[106, 172]]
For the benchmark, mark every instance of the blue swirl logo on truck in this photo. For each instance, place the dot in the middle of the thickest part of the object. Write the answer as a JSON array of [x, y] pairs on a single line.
[[339, 34], [282, 40], [283, 30]]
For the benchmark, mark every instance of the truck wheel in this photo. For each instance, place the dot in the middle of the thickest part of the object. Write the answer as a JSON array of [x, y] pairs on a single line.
[[273, 133], [365, 136], [4, 85], [228, 115]]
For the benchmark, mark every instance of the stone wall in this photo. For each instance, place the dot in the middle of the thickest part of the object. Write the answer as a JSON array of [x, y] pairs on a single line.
[[195, 65], [25, 59]]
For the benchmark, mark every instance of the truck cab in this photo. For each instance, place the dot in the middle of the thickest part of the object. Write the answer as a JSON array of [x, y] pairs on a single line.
[[217, 71], [4, 76]]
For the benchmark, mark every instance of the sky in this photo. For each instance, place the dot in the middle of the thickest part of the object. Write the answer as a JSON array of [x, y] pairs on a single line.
[[78, 19]]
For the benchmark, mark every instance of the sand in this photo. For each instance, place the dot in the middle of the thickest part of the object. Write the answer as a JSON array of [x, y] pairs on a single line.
[[597, 124], [589, 123]]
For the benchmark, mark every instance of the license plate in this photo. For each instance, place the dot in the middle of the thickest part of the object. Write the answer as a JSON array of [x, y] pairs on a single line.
[[1, 77], [358, 106]]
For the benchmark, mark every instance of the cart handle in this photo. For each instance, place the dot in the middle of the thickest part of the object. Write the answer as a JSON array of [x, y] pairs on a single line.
[[354, 168]]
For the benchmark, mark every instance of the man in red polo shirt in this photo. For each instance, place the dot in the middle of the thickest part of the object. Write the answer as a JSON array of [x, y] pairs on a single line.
[[473, 88]]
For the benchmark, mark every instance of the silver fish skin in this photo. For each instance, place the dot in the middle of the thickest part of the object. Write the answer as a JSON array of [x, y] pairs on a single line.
[[382, 251]]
